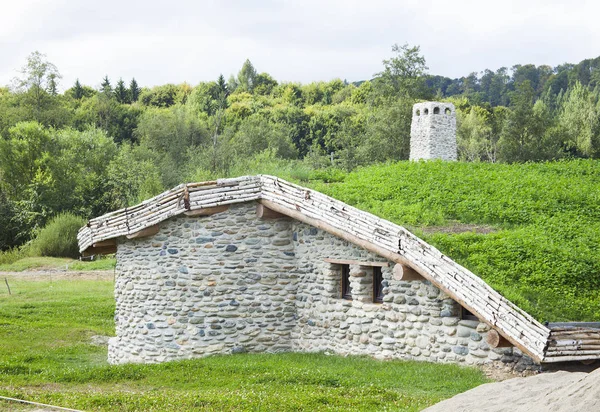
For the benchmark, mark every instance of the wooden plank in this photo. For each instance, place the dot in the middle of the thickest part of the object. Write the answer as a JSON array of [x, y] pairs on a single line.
[[104, 250], [107, 242], [355, 262], [207, 211], [149, 231]]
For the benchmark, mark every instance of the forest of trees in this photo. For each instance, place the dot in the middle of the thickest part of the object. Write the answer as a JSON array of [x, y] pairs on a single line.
[[90, 150]]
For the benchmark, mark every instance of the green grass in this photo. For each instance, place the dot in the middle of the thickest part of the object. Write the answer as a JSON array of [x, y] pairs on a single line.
[[39, 262], [544, 254], [46, 356]]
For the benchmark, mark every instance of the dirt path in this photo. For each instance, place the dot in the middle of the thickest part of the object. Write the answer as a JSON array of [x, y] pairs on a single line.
[[46, 275]]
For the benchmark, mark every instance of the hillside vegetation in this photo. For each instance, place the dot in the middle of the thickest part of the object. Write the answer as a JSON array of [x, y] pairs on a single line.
[[543, 251]]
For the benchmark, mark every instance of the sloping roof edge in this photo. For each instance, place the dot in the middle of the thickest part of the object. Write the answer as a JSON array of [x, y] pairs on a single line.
[[365, 229]]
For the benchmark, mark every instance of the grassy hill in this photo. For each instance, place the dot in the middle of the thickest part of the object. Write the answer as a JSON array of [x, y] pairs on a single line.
[[532, 231]]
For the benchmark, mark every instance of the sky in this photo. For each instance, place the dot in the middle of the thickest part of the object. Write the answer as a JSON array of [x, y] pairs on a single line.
[[160, 42]]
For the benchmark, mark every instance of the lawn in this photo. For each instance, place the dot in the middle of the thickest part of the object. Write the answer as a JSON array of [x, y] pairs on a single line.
[[46, 356], [52, 263]]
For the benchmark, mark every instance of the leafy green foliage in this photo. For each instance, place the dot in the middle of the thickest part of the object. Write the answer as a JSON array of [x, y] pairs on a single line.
[[59, 237], [46, 356]]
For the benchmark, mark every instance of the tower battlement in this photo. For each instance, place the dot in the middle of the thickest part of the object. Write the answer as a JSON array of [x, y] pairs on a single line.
[[433, 131]]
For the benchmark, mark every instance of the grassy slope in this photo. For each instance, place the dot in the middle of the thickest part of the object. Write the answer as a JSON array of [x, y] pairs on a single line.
[[42, 262], [45, 356], [544, 256]]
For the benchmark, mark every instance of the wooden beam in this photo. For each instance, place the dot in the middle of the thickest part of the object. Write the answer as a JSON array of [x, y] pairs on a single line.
[[355, 262], [149, 231], [391, 256], [495, 340], [404, 272], [207, 211], [104, 243], [263, 212], [103, 250]]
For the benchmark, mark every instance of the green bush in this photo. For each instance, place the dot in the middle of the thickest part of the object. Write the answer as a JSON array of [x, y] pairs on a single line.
[[59, 237]]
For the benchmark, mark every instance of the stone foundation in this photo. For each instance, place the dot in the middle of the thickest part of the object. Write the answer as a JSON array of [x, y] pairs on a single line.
[[231, 283]]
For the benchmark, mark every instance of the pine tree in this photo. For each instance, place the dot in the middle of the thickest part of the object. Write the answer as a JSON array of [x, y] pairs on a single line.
[[134, 91], [77, 90], [223, 89], [105, 86], [121, 92]]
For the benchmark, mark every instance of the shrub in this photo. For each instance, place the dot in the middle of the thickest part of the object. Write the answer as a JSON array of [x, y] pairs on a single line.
[[59, 237]]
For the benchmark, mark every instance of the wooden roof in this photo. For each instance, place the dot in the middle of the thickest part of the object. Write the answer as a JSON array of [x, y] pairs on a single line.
[[380, 236]]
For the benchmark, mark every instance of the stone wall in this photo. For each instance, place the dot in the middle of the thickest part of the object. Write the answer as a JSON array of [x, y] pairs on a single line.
[[232, 283], [433, 131]]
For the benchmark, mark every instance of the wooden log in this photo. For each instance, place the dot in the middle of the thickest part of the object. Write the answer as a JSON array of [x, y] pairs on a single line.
[[405, 272], [495, 340], [263, 212], [207, 211], [149, 231], [355, 262]]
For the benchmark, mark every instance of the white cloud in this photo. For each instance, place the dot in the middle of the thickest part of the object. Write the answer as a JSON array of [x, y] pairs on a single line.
[[159, 42]]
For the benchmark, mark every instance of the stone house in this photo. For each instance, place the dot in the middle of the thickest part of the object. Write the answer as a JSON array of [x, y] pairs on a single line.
[[257, 264]]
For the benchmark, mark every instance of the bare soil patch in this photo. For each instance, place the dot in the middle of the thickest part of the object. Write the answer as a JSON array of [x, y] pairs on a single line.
[[48, 275], [456, 227]]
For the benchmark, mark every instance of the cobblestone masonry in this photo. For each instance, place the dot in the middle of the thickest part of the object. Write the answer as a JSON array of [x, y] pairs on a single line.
[[433, 131], [232, 283]]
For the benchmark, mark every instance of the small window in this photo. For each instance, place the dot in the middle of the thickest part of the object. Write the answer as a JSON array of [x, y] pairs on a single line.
[[426, 111], [418, 112], [465, 314], [448, 111], [346, 289], [436, 110], [377, 285]]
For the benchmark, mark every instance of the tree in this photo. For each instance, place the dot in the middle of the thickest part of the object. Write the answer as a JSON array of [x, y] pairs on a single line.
[[247, 77], [77, 90], [523, 135], [403, 75], [105, 87], [121, 92], [579, 118], [38, 83], [134, 91]]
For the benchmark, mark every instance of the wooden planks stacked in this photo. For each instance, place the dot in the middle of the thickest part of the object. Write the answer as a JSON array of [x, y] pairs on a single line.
[[403, 247], [185, 197], [571, 343]]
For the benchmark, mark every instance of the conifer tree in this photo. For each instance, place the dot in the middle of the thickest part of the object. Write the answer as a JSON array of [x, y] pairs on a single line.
[[134, 91], [121, 92], [105, 86], [77, 90]]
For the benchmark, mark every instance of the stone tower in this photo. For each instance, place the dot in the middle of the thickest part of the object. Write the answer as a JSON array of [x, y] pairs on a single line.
[[433, 131]]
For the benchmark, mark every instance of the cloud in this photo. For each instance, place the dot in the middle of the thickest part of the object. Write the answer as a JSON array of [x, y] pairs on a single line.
[[159, 42]]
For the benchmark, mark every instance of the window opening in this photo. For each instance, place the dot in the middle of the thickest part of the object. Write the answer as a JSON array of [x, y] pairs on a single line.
[[448, 111], [346, 289], [426, 111], [436, 110], [377, 285]]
